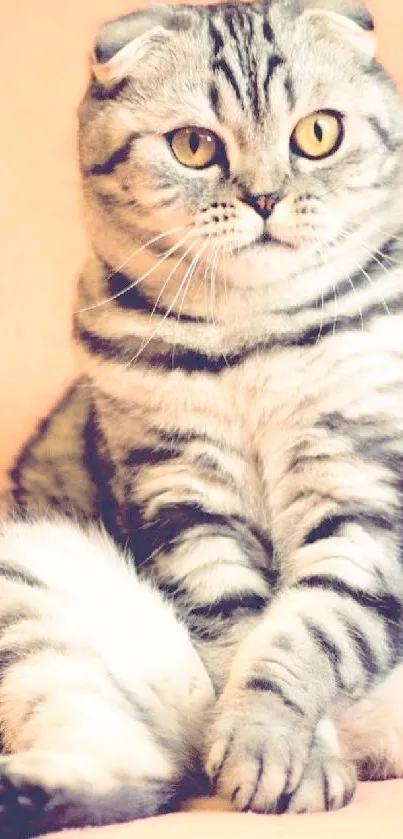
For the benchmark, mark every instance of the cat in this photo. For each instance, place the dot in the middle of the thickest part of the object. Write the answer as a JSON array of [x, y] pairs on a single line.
[[203, 565]]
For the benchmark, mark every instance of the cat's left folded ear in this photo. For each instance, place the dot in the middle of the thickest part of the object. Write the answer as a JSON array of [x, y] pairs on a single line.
[[349, 20]]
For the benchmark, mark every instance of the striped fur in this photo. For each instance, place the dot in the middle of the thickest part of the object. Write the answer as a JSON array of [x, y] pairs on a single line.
[[238, 425]]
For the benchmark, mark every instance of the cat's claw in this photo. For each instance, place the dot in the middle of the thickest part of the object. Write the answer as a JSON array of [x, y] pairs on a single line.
[[262, 758]]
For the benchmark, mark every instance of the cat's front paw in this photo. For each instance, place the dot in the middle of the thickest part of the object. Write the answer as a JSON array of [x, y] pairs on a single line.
[[264, 757]]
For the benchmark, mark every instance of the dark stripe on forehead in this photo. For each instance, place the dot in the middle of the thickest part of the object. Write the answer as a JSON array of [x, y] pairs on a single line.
[[216, 38], [246, 23], [268, 33], [254, 97], [229, 20], [222, 66], [289, 89], [120, 155], [214, 98], [273, 62], [237, 37]]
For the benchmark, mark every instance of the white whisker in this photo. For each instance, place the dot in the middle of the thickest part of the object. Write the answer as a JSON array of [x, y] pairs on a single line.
[[170, 275], [373, 285], [375, 253], [213, 278], [358, 302], [187, 279], [136, 282], [163, 319], [212, 281], [224, 272], [205, 281], [369, 279], [335, 310], [322, 315]]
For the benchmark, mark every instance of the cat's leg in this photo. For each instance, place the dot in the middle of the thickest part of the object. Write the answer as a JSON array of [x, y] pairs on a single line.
[[272, 746], [328, 638], [102, 695], [203, 550]]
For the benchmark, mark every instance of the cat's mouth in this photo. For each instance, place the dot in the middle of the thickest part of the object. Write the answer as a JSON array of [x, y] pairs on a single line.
[[264, 240], [268, 239]]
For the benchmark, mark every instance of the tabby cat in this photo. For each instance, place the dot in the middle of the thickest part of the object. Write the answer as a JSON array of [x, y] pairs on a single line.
[[204, 563]]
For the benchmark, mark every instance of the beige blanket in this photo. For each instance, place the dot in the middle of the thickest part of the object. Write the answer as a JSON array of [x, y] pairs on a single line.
[[376, 811]]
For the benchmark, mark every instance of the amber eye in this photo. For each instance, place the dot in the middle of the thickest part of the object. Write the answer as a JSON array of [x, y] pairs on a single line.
[[196, 148], [318, 135]]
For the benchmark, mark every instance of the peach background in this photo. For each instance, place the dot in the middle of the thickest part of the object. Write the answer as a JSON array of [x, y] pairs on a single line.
[[43, 50], [43, 64]]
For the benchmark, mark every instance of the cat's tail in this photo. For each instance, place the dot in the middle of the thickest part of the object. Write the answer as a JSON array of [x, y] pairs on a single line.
[[102, 695]]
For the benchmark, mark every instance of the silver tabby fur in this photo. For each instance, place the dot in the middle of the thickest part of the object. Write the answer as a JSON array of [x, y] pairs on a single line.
[[237, 429]]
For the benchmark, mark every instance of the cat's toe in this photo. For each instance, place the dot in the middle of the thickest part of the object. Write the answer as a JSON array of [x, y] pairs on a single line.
[[257, 753], [263, 758], [328, 783]]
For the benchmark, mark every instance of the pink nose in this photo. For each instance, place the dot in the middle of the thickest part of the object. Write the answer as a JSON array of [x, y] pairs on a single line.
[[262, 204], [265, 203]]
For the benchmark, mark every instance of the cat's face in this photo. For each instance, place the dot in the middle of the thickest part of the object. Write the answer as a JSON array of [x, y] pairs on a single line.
[[272, 133]]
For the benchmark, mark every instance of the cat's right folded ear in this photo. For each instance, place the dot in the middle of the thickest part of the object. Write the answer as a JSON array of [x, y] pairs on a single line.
[[122, 43]]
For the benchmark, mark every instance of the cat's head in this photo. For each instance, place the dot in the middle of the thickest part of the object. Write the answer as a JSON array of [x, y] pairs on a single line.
[[265, 130]]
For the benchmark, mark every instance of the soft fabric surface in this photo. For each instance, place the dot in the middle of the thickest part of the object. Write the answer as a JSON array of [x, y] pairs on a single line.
[[43, 68], [376, 810]]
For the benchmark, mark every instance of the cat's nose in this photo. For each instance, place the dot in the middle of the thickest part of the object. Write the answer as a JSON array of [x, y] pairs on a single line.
[[263, 204]]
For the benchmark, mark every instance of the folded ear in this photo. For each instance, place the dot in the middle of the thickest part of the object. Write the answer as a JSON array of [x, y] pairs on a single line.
[[349, 20], [122, 43]]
